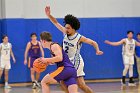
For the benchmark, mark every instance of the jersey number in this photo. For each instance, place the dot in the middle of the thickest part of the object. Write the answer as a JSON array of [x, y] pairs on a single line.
[[66, 49]]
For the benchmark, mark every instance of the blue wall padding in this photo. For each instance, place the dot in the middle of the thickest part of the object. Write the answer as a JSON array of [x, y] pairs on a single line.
[[109, 65]]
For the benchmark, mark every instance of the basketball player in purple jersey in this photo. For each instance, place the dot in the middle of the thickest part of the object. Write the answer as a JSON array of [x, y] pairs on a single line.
[[34, 49], [65, 69]]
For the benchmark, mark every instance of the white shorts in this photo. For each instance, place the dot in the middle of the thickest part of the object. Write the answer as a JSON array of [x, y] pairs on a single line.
[[128, 60], [5, 64], [80, 68]]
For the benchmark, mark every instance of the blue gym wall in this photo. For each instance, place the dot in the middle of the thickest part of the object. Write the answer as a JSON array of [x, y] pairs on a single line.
[[107, 66]]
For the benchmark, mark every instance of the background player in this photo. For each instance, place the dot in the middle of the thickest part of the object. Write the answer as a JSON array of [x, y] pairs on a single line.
[[72, 43], [5, 52], [128, 51], [137, 55], [35, 50]]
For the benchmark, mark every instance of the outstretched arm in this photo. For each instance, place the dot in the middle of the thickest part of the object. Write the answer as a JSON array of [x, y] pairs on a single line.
[[91, 42], [115, 43], [53, 20]]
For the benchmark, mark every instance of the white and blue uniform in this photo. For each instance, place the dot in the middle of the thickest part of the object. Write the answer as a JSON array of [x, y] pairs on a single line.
[[5, 55], [128, 51], [72, 48]]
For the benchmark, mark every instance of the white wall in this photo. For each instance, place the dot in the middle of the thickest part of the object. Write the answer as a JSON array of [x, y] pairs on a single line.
[[136, 7], [80, 8], [14, 8], [0, 10]]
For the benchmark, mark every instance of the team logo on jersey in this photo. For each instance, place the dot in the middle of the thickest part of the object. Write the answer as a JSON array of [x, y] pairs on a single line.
[[68, 44]]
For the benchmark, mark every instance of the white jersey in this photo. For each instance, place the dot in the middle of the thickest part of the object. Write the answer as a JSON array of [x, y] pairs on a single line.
[[5, 51], [72, 48], [128, 48]]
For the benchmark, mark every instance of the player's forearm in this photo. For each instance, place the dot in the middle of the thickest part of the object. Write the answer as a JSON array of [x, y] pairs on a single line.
[[25, 56], [53, 60], [42, 53], [113, 43], [52, 19], [137, 44], [95, 45], [12, 55]]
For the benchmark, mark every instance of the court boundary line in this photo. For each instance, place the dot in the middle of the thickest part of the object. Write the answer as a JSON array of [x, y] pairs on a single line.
[[87, 81]]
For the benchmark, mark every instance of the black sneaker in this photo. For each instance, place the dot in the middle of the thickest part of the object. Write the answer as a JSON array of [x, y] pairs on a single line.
[[33, 85], [123, 81], [131, 82]]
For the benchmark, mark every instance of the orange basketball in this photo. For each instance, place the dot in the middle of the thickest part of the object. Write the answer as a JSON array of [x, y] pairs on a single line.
[[38, 66]]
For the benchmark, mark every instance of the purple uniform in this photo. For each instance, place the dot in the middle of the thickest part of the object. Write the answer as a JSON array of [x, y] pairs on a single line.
[[65, 70], [34, 53]]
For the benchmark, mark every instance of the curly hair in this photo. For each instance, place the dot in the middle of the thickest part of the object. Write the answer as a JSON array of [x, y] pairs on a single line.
[[72, 21]]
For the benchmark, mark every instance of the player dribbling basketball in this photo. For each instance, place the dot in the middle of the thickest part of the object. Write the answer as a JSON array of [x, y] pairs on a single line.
[[65, 69]]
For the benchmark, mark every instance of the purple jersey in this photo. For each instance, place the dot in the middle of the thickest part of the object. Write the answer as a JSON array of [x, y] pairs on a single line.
[[65, 70], [65, 62], [34, 50]]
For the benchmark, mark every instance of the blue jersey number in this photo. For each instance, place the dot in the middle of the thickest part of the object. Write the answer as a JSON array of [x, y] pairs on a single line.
[[66, 49]]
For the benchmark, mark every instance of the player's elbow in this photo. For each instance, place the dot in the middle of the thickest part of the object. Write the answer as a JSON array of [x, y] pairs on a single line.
[[94, 43]]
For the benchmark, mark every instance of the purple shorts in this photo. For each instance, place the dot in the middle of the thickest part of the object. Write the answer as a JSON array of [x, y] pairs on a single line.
[[67, 74], [31, 61]]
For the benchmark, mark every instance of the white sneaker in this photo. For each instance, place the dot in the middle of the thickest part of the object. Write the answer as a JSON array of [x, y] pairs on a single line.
[[34, 86], [132, 84], [7, 87], [38, 85]]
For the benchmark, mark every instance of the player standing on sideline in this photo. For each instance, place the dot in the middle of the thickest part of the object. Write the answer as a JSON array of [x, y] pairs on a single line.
[[35, 50], [72, 44], [128, 51], [137, 55], [5, 52]]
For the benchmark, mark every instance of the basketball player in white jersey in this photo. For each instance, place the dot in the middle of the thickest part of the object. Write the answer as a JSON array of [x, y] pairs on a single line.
[[5, 52], [72, 43], [128, 51]]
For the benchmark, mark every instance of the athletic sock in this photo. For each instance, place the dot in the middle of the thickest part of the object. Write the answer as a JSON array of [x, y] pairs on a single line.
[[6, 83], [123, 80]]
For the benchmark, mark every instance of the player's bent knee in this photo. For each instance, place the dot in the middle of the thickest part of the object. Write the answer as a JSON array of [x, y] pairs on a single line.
[[46, 80], [73, 88], [44, 83]]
